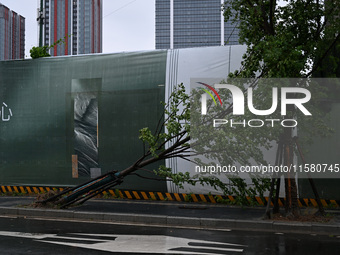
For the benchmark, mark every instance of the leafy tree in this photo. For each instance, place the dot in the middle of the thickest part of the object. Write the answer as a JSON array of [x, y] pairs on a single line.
[[284, 41], [172, 138], [42, 52], [172, 127], [292, 39], [39, 52]]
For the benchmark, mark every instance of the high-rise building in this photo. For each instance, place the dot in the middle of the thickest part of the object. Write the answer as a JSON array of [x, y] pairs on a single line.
[[79, 21], [12, 34], [192, 23]]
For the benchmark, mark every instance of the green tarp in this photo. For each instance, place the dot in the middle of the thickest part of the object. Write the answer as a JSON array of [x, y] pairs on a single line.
[[66, 119]]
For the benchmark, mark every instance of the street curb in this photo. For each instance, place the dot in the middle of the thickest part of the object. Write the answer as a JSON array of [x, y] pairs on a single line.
[[177, 221]]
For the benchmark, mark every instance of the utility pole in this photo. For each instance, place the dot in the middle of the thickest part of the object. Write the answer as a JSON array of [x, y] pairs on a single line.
[[40, 20]]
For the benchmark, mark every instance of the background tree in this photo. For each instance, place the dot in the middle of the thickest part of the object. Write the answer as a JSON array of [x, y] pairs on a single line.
[[42, 51]]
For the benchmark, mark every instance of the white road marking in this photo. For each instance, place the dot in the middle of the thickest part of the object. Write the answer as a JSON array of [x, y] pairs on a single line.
[[133, 243]]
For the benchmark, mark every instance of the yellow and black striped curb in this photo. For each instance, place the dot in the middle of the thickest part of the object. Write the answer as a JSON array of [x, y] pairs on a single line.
[[163, 196]]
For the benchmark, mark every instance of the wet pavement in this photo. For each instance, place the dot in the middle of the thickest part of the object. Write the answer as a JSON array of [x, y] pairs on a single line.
[[20, 235]]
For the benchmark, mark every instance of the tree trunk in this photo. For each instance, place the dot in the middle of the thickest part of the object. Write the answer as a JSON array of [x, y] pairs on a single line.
[[291, 204]]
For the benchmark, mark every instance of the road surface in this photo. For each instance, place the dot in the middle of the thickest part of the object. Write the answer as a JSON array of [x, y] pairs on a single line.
[[50, 236]]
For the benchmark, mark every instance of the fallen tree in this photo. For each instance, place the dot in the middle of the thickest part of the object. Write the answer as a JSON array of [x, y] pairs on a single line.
[[173, 126], [172, 138]]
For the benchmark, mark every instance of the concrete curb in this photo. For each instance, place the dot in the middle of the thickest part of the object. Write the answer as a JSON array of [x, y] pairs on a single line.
[[177, 221]]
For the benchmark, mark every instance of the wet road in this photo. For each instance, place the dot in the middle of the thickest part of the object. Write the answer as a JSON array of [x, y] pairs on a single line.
[[41, 236]]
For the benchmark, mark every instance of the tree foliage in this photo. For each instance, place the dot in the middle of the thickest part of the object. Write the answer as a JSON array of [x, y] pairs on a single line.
[[39, 52], [290, 39], [42, 52], [184, 122], [285, 41]]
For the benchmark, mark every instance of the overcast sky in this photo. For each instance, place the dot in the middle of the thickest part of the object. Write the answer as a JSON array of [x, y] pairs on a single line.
[[128, 25]]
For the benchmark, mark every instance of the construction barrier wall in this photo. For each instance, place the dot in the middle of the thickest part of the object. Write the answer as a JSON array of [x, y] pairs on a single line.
[[65, 120]]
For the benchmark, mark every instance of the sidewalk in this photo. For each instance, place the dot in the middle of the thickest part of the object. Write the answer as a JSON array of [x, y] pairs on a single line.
[[170, 214]]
